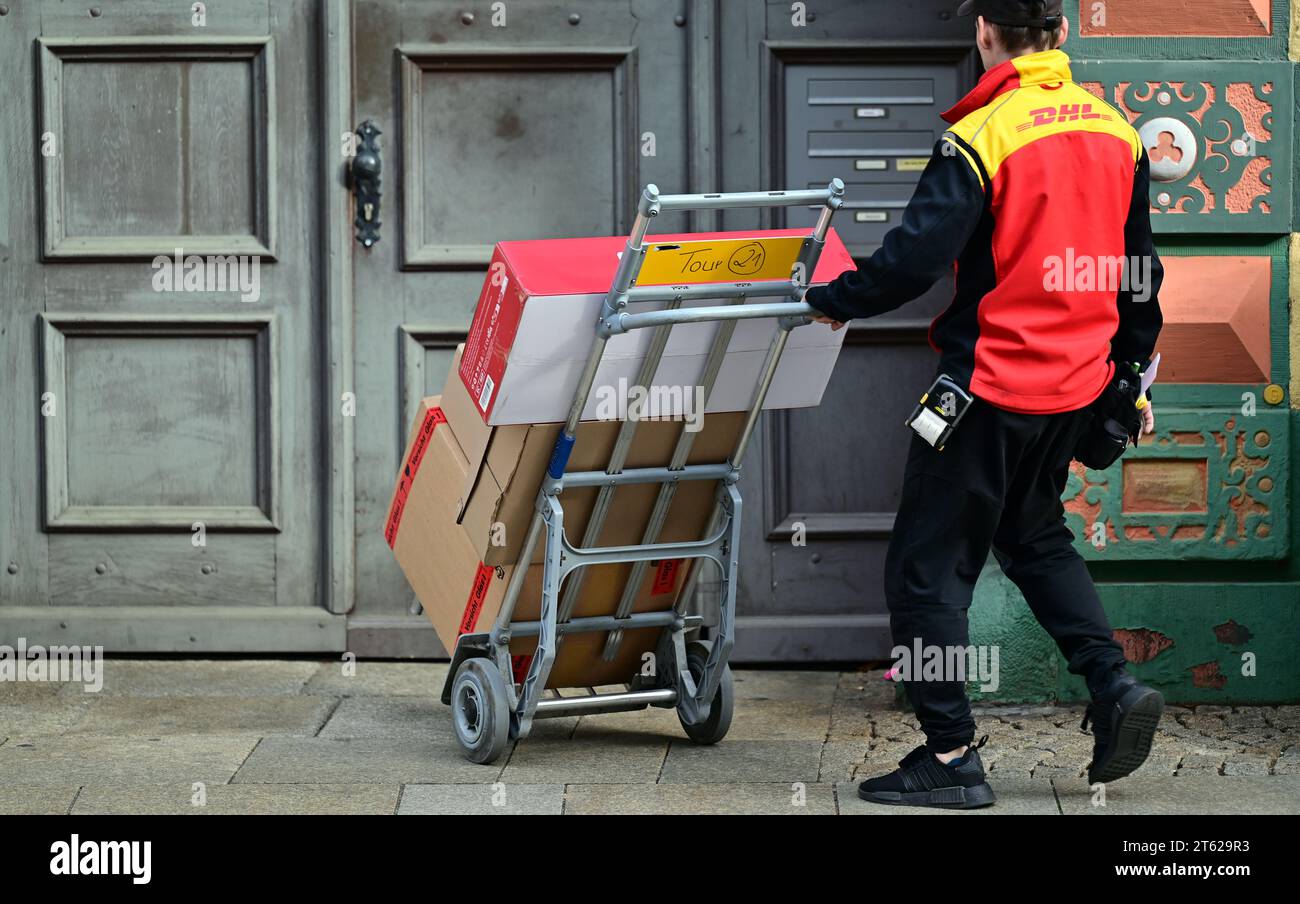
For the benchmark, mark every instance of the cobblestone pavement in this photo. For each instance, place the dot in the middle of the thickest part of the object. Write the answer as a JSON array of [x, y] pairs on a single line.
[[297, 736]]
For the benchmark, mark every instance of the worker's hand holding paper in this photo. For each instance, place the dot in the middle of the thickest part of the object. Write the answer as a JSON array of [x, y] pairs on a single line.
[[1147, 409]]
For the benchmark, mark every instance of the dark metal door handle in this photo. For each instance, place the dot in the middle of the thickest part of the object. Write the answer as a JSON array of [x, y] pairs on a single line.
[[364, 173]]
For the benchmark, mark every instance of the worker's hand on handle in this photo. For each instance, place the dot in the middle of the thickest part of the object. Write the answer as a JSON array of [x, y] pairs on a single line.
[[835, 324], [818, 316]]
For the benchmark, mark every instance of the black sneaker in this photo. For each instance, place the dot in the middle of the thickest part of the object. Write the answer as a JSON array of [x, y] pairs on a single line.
[[922, 781], [1124, 717]]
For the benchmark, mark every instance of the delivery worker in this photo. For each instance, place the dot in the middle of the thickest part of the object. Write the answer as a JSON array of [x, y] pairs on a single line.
[[1035, 181]]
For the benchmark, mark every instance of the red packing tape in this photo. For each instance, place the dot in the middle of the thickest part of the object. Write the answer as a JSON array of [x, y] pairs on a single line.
[[519, 666], [409, 470], [665, 576], [477, 593]]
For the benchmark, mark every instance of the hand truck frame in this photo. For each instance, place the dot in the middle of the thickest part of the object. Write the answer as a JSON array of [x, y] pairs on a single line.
[[487, 708]]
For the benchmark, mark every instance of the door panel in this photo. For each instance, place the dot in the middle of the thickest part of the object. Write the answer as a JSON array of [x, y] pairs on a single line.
[[507, 122], [872, 123], [859, 98], [474, 100], [159, 416], [543, 126]]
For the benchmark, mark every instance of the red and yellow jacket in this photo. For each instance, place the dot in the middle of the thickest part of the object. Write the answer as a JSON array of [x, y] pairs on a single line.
[[1038, 193]]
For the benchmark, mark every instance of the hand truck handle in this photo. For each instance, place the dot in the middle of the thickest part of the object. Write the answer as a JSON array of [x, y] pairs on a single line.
[[622, 322], [830, 198], [652, 203]]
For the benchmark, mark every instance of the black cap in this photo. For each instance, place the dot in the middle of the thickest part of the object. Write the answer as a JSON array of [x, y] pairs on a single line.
[[1016, 13]]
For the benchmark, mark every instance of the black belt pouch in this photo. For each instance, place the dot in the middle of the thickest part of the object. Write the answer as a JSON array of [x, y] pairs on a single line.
[[1113, 421]]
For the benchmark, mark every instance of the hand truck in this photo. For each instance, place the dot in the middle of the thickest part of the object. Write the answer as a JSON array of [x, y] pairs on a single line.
[[488, 709]]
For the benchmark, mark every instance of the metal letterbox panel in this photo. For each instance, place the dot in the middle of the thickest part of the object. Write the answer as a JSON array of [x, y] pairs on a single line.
[[874, 125]]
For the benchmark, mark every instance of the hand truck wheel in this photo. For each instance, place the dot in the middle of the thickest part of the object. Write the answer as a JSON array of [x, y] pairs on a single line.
[[714, 728], [480, 710]]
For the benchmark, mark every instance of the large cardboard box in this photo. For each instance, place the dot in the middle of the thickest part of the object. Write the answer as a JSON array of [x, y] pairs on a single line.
[[536, 317], [461, 593], [507, 463]]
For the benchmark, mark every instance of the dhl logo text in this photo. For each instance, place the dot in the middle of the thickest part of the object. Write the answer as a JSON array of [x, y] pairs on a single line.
[[1046, 116]]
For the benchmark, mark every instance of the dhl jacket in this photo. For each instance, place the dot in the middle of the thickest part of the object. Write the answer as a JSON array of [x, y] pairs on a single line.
[[1036, 198]]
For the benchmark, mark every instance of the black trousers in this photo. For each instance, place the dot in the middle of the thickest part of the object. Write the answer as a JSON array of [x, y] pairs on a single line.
[[997, 484]]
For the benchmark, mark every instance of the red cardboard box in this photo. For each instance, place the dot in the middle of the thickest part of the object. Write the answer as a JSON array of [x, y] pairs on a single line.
[[536, 317]]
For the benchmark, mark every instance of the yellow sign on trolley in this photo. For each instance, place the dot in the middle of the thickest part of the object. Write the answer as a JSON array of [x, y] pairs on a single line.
[[724, 261]]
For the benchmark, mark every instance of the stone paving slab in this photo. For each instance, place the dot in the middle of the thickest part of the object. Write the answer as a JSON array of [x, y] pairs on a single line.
[[414, 718], [482, 800], [780, 720], [300, 736], [1160, 764], [861, 698], [22, 692], [653, 722], [1249, 764], [841, 760], [870, 687], [1190, 795], [116, 760], [688, 800], [379, 679], [1032, 762], [42, 715], [202, 677], [849, 724], [362, 760], [790, 686], [155, 716], [250, 800], [884, 756], [559, 729], [1051, 772], [1167, 753], [35, 800], [1288, 763], [1287, 717], [895, 725], [742, 761], [1015, 796], [1201, 764], [610, 758]]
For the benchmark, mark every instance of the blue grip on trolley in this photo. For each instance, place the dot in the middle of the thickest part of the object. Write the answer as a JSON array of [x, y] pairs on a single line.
[[560, 457]]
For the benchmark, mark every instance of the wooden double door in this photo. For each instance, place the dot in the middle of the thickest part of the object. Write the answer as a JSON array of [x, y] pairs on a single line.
[[270, 428]]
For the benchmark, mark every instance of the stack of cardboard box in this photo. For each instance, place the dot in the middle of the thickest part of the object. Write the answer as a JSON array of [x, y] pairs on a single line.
[[467, 491], [461, 511]]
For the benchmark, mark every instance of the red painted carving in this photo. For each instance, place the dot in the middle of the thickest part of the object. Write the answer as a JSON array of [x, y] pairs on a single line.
[[1233, 634], [1217, 318], [1165, 149], [1207, 674], [1142, 644], [1193, 18]]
